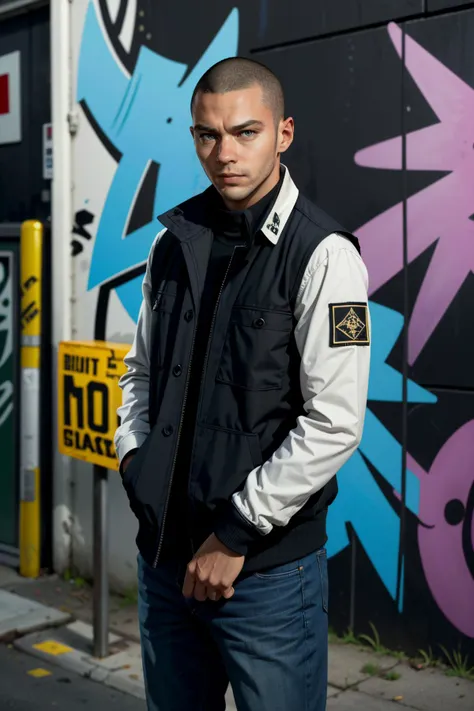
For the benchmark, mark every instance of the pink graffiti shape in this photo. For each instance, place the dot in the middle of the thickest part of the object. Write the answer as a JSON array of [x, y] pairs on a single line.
[[447, 515], [439, 213]]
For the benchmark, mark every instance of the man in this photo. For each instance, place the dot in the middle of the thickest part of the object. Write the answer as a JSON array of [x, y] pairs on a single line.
[[245, 393]]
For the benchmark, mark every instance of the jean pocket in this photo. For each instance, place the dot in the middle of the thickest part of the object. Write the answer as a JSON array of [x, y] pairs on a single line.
[[281, 571], [321, 557]]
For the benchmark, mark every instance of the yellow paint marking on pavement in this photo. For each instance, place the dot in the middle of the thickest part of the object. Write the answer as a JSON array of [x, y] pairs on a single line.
[[49, 646], [38, 673]]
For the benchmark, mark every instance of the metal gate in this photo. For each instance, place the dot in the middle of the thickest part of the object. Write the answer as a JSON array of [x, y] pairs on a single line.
[[9, 389]]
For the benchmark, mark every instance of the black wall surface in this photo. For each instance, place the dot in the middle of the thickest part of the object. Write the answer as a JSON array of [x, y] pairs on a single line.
[[382, 96], [21, 173]]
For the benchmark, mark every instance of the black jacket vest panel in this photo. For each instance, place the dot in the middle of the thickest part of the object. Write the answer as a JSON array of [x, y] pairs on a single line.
[[250, 392]]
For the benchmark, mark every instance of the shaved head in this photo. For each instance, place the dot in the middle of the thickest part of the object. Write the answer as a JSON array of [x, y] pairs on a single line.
[[238, 73]]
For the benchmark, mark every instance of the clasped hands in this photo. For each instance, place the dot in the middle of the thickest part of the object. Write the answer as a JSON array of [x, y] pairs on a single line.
[[212, 572]]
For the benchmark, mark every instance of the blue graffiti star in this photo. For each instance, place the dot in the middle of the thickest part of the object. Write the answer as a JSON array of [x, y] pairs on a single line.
[[146, 117], [360, 501]]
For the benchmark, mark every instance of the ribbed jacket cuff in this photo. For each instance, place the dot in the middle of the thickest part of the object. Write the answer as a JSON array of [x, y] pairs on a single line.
[[235, 532]]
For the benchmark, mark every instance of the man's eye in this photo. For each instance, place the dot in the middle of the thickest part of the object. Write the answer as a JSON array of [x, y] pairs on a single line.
[[247, 133], [206, 137]]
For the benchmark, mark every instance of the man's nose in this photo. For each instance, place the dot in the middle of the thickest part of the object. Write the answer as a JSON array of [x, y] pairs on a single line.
[[226, 152]]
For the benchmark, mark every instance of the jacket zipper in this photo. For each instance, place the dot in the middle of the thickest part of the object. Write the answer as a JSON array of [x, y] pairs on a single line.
[[160, 543], [214, 315]]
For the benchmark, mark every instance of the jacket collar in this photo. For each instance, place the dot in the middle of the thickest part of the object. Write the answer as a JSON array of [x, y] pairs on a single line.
[[276, 220], [193, 216]]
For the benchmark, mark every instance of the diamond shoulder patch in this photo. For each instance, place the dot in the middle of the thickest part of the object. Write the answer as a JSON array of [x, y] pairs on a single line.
[[349, 324]]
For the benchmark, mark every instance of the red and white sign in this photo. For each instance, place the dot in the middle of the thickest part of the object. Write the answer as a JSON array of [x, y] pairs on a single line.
[[10, 92]]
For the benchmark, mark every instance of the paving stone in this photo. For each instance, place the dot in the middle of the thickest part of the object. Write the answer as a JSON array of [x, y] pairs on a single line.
[[347, 661], [72, 660], [87, 631], [78, 601], [20, 616], [99, 674], [128, 681], [129, 658], [9, 576], [427, 690], [356, 701]]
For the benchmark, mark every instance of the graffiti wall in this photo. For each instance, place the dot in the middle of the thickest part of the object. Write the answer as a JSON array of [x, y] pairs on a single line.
[[383, 98]]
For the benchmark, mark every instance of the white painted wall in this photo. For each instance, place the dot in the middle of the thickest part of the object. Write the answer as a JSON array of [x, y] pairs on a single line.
[[83, 172]]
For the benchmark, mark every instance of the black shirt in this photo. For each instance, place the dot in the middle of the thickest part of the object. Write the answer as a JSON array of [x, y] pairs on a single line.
[[231, 228]]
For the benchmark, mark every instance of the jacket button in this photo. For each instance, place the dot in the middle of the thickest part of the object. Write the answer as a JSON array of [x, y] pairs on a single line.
[[188, 316], [167, 431], [259, 323], [177, 370]]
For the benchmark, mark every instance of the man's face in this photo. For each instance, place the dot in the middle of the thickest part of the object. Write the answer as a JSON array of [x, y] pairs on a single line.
[[238, 143]]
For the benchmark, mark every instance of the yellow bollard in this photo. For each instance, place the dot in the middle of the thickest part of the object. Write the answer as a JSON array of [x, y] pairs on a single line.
[[31, 246]]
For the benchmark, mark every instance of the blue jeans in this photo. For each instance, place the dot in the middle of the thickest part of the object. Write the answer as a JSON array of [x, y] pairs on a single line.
[[269, 640]]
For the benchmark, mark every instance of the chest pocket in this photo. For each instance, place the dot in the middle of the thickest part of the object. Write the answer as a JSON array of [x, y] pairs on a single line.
[[162, 315], [255, 353]]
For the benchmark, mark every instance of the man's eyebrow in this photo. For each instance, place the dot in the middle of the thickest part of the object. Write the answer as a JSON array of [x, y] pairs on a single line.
[[234, 129], [246, 124], [202, 127]]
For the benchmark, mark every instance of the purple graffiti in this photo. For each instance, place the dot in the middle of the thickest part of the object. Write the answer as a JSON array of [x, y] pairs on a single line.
[[446, 533], [439, 213]]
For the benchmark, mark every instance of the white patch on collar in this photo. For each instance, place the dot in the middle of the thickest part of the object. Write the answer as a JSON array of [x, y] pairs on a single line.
[[277, 218]]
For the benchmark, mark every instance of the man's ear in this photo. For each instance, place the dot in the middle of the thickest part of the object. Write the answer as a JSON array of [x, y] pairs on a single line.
[[286, 132]]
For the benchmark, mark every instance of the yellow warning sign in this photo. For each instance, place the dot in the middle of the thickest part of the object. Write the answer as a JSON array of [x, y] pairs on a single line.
[[50, 646], [38, 673], [89, 396]]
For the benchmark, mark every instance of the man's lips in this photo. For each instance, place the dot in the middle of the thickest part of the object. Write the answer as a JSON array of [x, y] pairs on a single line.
[[229, 176]]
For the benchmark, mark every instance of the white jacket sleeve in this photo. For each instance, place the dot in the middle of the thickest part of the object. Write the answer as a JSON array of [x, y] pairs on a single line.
[[334, 381], [134, 421]]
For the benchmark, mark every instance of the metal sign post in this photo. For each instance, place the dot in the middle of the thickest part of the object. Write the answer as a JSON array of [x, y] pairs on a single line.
[[88, 399], [101, 548]]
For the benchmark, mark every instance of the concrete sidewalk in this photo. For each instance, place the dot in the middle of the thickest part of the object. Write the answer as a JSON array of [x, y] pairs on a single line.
[[358, 678]]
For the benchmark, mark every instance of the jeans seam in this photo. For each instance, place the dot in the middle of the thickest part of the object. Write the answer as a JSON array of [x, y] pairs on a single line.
[[305, 625], [324, 602]]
